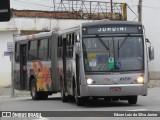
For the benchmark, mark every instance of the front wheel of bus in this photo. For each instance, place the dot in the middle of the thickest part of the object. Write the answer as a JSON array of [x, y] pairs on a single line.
[[132, 100], [34, 94]]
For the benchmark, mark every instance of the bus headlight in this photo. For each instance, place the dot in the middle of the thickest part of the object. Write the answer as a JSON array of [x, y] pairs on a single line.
[[89, 81], [140, 79]]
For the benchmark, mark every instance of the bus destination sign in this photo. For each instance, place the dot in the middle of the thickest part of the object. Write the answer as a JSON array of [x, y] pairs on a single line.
[[113, 30]]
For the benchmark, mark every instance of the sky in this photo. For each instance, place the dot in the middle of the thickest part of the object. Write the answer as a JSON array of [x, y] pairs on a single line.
[[151, 18], [48, 4]]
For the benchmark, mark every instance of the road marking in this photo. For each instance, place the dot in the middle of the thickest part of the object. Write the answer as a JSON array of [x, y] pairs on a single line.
[[138, 110]]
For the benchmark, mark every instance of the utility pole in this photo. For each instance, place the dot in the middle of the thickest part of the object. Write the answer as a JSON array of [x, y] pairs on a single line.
[[111, 6], [140, 11], [12, 87]]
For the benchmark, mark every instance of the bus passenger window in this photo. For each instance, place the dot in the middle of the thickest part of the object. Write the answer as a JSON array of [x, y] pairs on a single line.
[[73, 39], [70, 46], [32, 54], [43, 49], [67, 46], [61, 48], [58, 46], [17, 53]]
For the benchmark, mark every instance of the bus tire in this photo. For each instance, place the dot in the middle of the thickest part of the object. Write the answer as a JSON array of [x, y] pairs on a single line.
[[132, 100], [34, 94], [64, 98]]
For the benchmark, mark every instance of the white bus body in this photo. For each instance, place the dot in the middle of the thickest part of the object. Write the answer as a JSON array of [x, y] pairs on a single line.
[[102, 59]]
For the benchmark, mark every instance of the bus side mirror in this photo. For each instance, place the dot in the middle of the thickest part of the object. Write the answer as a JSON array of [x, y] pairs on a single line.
[[147, 40], [151, 52]]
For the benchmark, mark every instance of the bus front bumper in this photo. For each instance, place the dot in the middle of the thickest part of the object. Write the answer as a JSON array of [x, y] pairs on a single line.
[[113, 90]]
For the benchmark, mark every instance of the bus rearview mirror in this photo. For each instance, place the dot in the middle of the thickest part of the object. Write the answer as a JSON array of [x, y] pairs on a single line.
[[151, 52], [147, 40]]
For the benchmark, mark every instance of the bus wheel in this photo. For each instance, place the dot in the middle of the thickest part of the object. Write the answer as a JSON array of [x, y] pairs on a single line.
[[34, 94], [64, 98], [80, 101], [132, 100]]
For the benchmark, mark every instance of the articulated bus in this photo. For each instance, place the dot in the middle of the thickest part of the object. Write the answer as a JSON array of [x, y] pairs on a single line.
[[100, 59]]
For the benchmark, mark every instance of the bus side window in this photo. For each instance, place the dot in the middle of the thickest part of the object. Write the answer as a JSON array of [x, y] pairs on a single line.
[[49, 48], [61, 43], [60, 47], [72, 44], [32, 50], [43, 49], [17, 52], [67, 46], [73, 39]]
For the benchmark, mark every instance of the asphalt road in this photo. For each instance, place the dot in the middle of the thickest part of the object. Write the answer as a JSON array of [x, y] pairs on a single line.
[[151, 102]]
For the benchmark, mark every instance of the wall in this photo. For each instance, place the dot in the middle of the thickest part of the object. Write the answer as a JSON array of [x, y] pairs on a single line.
[[45, 23], [5, 64]]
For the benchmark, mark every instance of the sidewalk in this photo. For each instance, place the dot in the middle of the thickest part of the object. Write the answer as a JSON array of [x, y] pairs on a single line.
[[5, 92], [154, 83]]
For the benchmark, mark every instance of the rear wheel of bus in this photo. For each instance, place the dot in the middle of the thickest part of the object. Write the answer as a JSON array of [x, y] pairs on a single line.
[[132, 99], [37, 95]]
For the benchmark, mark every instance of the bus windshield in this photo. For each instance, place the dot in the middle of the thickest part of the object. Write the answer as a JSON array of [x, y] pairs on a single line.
[[102, 54]]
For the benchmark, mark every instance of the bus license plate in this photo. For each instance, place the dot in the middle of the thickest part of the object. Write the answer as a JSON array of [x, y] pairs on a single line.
[[115, 89]]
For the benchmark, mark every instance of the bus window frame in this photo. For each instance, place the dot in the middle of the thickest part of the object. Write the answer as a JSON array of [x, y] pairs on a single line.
[[47, 49], [31, 50]]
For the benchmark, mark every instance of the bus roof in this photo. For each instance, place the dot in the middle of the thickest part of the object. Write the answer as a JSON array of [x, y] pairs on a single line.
[[109, 22], [33, 36], [72, 29]]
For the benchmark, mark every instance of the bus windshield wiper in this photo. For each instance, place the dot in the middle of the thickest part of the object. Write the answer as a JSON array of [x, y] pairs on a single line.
[[100, 39], [119, 47]]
